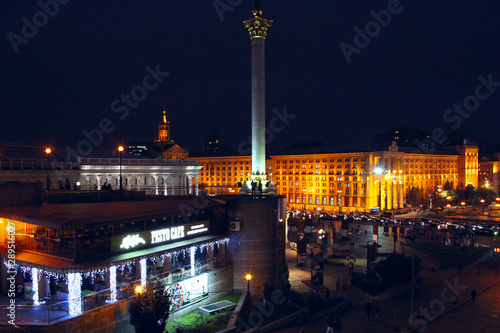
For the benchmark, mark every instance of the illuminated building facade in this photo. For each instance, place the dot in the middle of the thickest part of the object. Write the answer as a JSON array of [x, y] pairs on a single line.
[[489, 173], [225, 174], [468, 165], [350, 181], [174, 175], [92, 255], [154, 176]]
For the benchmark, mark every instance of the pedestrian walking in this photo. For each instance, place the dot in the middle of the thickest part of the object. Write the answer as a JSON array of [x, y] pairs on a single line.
[[368, 308], [339, 283], [377, 310], [473, 295], [337, 326], [329, 325]]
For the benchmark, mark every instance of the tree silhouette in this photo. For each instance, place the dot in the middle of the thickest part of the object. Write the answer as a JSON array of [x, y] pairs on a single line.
[[150, 309]]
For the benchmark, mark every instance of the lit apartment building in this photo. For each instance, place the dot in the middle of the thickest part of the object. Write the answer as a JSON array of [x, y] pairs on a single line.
[[221, 174], [489, 173], [325, 180]]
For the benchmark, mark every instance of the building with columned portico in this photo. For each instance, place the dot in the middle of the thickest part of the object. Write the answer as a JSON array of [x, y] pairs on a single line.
[[163, 170]]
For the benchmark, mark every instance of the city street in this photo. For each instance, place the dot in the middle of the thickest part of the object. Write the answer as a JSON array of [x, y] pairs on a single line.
[[395, 312]]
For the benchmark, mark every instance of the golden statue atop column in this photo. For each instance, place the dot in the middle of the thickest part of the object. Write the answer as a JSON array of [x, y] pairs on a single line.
[[257, 26]]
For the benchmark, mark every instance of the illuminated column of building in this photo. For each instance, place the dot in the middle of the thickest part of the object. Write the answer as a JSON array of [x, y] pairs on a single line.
[[35, 278], [401, 194], [143, 268], [192, 259], [171, 183], [75, 293], [156, 185], [383, 204], [196, 186], [112, 283], [394, 193], [391, 192], [190, 185]]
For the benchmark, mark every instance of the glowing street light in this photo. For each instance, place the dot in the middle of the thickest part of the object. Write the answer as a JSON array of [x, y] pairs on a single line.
[[48, 151], [248, 277], [120, 151], [138, 289], [462, 203]]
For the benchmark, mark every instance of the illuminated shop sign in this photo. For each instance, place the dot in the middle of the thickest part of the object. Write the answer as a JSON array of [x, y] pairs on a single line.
[[131, 241], [158, 237], [164, 235], [187, 292]]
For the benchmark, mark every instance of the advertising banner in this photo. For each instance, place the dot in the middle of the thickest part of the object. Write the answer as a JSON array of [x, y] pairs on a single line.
[[188, 292]]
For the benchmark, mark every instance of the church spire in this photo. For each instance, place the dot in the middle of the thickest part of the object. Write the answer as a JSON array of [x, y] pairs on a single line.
[[164, 128], [164, 113]]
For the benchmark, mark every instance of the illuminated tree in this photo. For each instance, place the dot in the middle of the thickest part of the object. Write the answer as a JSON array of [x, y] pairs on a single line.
[[149, 310]]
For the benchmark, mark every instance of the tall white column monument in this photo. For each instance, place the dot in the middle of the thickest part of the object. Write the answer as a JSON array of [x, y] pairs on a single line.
[[259, 183]]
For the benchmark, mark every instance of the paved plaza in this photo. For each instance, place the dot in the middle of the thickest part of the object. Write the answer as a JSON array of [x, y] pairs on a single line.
[[441, 302]]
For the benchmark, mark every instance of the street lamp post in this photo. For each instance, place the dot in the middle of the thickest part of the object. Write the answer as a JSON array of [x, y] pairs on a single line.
[[120, 151], [495, 234], [48, 151], [248, 277]]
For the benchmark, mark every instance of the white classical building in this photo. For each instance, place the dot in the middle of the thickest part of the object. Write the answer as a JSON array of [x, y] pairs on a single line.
[[165, 170], [154, 176]]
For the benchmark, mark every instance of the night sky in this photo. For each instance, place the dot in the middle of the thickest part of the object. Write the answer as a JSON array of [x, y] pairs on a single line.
[[65, 79]]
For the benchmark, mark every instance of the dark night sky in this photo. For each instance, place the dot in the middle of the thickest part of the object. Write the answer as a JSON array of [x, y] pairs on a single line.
[[64, 80]]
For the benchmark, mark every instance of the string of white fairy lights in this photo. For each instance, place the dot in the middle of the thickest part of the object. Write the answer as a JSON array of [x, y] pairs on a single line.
[[100, 272]]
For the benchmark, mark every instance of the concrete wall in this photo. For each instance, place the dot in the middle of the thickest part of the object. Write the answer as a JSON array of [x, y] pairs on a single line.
[[255, 248], [17, 193]]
